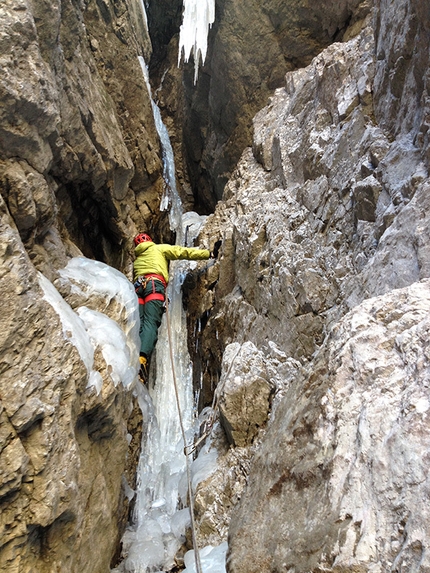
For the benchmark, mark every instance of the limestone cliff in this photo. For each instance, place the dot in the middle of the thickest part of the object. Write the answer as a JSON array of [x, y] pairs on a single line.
[[251, 47], [80, 170], [80, 157], [311, 327], [324, 271]]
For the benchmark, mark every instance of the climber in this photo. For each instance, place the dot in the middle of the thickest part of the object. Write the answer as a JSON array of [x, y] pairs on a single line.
[[150, 281]]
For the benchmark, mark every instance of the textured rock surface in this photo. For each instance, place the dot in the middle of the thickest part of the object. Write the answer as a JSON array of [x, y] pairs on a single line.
[[340, 480], [251, 47], [243, 394], [79, 152], [80, 170], [323, 269], [63, 447]]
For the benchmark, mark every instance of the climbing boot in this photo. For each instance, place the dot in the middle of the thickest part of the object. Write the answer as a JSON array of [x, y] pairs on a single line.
[[143, 371]]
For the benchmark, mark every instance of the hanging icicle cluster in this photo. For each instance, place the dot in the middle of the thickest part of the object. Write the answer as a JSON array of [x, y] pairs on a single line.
[[198, 17]]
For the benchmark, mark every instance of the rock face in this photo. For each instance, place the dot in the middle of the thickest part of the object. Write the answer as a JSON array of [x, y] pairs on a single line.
[[64, 444], [341, 476], [80, 155], [324, 269], [321, 284], [80, 170], [251, 47], [244, 394]]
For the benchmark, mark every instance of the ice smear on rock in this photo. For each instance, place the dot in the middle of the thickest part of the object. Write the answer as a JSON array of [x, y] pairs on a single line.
[[120, 343], [106, 335], [212, 559], [160, 520], [198, 17], [95, 278], [170, 195], [73, 327], [90, 329]]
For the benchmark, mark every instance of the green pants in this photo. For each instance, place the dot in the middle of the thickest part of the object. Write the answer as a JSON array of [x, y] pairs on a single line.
[[151, 313]]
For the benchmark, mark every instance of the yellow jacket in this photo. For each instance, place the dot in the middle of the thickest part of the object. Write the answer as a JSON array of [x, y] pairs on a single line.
[[152, 258]]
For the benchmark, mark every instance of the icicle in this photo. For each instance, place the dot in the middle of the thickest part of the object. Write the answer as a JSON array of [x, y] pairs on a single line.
[[199, 15], [171, 195]]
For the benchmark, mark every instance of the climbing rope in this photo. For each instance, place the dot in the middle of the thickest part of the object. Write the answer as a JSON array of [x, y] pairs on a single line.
[[190, 449], [209, 423], [190, 491]]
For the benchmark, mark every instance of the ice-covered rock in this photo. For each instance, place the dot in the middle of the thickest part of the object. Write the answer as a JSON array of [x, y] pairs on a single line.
[[212, 559], [340, 479], [58, 478]]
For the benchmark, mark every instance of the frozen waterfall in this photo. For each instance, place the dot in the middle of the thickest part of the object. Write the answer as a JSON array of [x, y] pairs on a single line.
[[198, 17], [170, 197], [161, 516]]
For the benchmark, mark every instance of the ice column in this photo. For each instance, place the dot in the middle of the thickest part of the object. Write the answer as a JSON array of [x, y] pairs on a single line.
[[160, 517], [158, 531], [198, 17], [171, 196]]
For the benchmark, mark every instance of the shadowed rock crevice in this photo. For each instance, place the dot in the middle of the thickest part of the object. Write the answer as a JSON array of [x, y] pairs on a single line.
[[251, 47]]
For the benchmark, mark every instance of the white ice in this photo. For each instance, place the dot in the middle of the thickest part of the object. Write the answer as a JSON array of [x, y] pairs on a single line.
[[160, 520], [212, 559], [90, 278], [106, 335], [203, 466], [91, 329], [73, 327], [170, 196], [143, 10], [198, 17]]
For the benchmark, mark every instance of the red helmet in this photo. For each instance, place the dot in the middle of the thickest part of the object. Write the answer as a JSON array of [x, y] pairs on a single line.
[[141, 238]]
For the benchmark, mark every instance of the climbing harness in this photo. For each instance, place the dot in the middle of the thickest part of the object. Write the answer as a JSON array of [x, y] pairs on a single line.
[[142, 282], [190, 491]]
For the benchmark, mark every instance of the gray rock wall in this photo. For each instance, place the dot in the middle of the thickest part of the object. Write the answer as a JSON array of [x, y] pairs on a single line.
[[80, 158], [80, 171], [64, 452], [251, 47], [324, 269]]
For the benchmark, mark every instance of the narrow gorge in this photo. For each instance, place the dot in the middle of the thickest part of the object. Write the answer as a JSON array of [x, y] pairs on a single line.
[[299, 132]]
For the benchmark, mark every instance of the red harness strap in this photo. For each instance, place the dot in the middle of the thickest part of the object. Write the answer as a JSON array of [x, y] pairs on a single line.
[[152, 296], [157, 277]]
